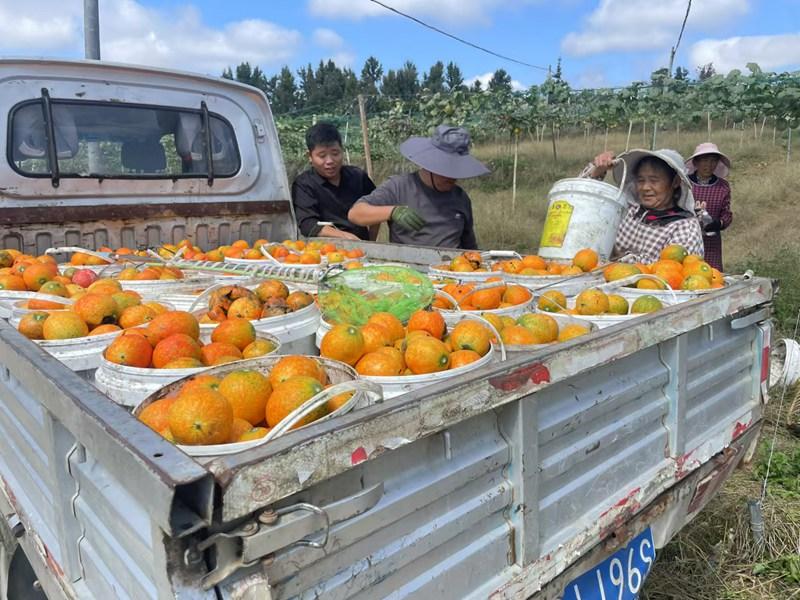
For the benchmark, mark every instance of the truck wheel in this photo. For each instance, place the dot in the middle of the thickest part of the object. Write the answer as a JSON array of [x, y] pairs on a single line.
[[22, 581]]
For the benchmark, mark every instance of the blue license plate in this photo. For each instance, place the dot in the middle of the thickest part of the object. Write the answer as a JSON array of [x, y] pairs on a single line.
[[620, 576]]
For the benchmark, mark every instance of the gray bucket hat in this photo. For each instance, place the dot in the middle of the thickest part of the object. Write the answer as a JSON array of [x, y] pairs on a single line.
[[671, 157], [446, 153]]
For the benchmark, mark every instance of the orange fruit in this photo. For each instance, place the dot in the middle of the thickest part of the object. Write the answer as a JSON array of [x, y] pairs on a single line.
[[238, 428], [136, 315], [495, 320], [699, 268], [395, 354], [431, 321], [426, 354], [12, 283], [552, 301], [248, 392], [617, 304], [555, 269], [344, 343], [244, 308], [36, 275], [129, 350], [255, 433], [125, 299], [516, 294], [31, 325], [646, 304], [585, 259], [487, 299], [674, 252], [172, 321], [375, 336], [650, 284], [379, 364], [239, 332], [692, 258], [517, 335], [461, 358], [290, 395], [298, 300], [107, 328], [258, 348], [271, 288], [242, 244], [201, 417], [291, 366], [211, 353], [471, 335], [673, 277], [105, 284], [591, 302], [695, 282], [96, 309], [63, 325], [156, 414], [543, 327], [52, 288], [156, 307], [389, 322], [533, 261], [177, 345], [616, 271], [571, 331], [185, 362], [201, 382], [717, 278]]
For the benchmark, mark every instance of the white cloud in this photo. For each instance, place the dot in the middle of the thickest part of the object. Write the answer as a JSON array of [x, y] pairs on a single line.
[[450, 11], [644, 25], [487, 77], [769, 51], [327, 38], [133, 33]]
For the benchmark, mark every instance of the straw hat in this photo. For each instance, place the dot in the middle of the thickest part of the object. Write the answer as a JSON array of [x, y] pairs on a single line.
[[445, 153], [671, 157], [723, 166]]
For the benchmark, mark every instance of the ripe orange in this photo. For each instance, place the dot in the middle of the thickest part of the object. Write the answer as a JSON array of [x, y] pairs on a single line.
[[571, 331], [616, 271], [344, 343], [461, 358], [692, 258], [585, 259], [646, 304], [201, 382], [52, 288], [517, 335], [96, 309], [63, 325], [291, 394], [516, 294], [533, 261], [717, 278], [431, 321], [471, 335], [36, 275], [136, 315], [674, 252], [185, 362], [695, 282], [239, 332], [125, 299], [156, 414], [239, 426], [617, 304], [543, 327], [298, 300], [699, 268], [375, 336], [129, 350], [395, 354], [591, 302], [552, 301], [426, 354], [248, 392], [673, 277], [487, 299], [173, 321], [291, 366], [379, 364], [173, 347], [31, 325], [650, 284], [255, 433], [201, 417], [389, 322], [258, 348], [107, 328], [13, 283]]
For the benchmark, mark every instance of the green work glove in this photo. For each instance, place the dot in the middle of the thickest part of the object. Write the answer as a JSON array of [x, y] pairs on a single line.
[[407, 218]]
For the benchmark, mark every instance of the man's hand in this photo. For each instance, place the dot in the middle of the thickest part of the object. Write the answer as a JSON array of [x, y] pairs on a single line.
[[407, 218]]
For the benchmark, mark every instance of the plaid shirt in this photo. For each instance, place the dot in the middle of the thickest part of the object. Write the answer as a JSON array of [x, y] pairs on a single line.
[[640, 239], [717, 196]]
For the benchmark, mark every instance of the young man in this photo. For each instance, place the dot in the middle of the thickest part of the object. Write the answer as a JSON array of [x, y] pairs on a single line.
[[327, 191], [427, 207]]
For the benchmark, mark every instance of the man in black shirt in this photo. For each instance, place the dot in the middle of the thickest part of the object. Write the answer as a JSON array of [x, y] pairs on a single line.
[[327, 191]]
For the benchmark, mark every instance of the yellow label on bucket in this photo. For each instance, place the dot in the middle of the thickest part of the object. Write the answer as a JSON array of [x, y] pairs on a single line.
[[556, 224]]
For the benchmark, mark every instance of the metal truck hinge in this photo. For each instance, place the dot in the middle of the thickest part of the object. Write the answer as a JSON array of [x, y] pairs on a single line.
[[754, 317], [279, 529]]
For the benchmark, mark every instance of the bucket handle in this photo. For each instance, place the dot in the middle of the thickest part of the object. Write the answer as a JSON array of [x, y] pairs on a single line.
[[634, 278], [47, 297], [357, 385], [100, 255], [624, 176], [501, 254]]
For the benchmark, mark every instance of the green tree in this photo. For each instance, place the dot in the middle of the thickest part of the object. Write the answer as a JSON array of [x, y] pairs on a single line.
[[227, 73], [500, 82], [476, 86], [371, 74], [402, 83], [706, 71], [433, 80], [454, 79], [283, 90]]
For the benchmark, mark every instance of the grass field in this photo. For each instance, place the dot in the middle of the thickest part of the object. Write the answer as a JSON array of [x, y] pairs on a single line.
[[714, 557]]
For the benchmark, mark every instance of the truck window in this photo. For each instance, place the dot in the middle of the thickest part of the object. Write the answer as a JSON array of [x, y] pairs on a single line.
[[116, 141]]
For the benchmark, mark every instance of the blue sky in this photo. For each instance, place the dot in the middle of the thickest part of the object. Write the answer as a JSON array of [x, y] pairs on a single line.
[[600, 42]]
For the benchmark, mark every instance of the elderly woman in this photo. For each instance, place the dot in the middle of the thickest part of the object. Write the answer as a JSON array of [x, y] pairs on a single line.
[[661, 210]]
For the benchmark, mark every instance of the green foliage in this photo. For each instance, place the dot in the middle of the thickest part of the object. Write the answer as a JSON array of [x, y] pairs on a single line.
[[785, 567], [784, 473]]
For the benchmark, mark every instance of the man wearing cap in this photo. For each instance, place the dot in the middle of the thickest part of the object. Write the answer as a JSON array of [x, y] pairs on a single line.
[[707, 169], [427, 207]]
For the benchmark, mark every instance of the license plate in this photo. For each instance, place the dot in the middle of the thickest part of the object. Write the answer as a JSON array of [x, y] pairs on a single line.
[[620, 576]]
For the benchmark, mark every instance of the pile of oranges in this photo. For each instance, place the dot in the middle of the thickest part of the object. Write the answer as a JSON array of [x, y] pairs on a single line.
[[288, 251], [595, 302], [532, 265], [499, 296], [242, 405], [171, 340], [676, 268], [533, 329], [383, 347], [24, 273], [270, 299], [150, 273]]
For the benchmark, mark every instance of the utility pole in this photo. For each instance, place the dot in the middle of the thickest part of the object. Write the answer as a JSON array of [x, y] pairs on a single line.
[[678, 43], [91, 29]]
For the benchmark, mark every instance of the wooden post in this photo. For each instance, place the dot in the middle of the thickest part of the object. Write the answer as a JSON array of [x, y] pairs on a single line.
[[644, 133], [789, 146], [628, 139], [708, 117], [553, 137], [655, 130], [763, 123], [346, 151], [362, 111], [514, 176], [605, 140]]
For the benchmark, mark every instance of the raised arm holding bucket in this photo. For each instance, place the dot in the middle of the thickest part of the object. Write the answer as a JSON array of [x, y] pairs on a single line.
[[661, 207]]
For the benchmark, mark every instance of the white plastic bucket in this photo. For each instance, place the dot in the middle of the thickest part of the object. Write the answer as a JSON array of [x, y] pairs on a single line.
[[569, 285], [79, 354], [562, 321], [128, 386], [342, 376], [785, 363], [605, 320], [581, 213], [666, 295], [155, 289]]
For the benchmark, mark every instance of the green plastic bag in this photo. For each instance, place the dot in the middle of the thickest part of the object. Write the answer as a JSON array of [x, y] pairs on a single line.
[[352, 296]]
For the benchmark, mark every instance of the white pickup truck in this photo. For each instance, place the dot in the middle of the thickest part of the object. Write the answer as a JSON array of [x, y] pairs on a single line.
[[559, 473]]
